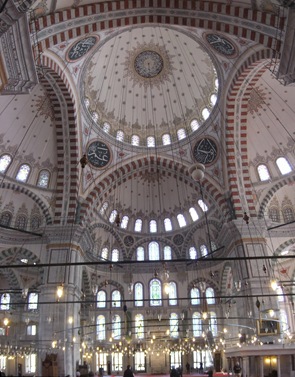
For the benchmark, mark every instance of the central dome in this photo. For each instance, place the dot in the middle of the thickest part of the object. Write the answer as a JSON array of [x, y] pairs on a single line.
[[149, 83], [148, 64]]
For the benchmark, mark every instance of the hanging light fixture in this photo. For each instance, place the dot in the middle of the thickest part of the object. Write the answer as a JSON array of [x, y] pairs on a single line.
[[59, 292]]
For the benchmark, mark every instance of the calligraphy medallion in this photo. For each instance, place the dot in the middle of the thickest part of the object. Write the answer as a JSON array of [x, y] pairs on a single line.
[[80, 48], [98, 154], [205, 151], [148, 64]]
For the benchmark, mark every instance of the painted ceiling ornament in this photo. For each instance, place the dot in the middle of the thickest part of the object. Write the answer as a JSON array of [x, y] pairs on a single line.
[[148, 65]]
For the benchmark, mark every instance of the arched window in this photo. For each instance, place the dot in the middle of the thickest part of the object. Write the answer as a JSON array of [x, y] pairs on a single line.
[[150, 141], [154, 251], [195, 125], [113, 216], [195, 296], [181, 134], [213, 323], [94, 116], [103, 208], [204, 250], [138, 294], [120, 135], [203, 205], [263, 172], [213, 99], [166, 139], [210, 296], [43, 179], [33, 301], [280, 294], [153, 226], [172, 293], [5, 301], [167, 224], [100, 327], [23, 173], [197, 324], [116, 298], [274, 214], [283, 320], [101, 299], [288, 214], [138, 225], [104, 253], [192, 252], [87, 102], [35, 222], [181, 220], [135, 140], [174, 326], [205, 113], [106, 127], [115, 255], [5, 218], [5, 161], [155, 292], [194, 214], [21, 222], [140, 253], [167, 253], [139, 326], [283, 165], [116, 327]]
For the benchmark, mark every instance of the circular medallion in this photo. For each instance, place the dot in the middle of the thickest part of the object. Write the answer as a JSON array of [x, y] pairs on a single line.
[[205, 151], [98, 154], [128, 241], [80, 48], [148, 64], [221, 44], [178, 239]]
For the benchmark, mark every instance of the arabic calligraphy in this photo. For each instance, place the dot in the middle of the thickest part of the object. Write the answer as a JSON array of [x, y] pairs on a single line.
[[98, 154], [221, 44], [205, 151], [81, 48]]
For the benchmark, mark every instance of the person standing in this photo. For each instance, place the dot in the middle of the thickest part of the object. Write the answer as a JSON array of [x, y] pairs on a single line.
[[237, 369], [128, 372]]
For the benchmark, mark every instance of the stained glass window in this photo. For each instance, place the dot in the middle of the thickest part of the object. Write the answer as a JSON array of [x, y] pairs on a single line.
[[43, 179], [153, 226], [172, 293], [5, 301], [33, 301], [283, 165], [138, 225], [101, 299], [263, 172], [192, 252], [138, 294], [115, 255], [135, 140], [139, 326], [167, 224], [174, 326], [100, 327], [35, 222], [210, 296], [124, 222], [23, 173], [167, 253], [5, 160], [194, 214], [181, 220], [154, 251], [155, 292], [116, 327], [195, 296], [166, 139], [140, 253], [116, 298], [197, 324]]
